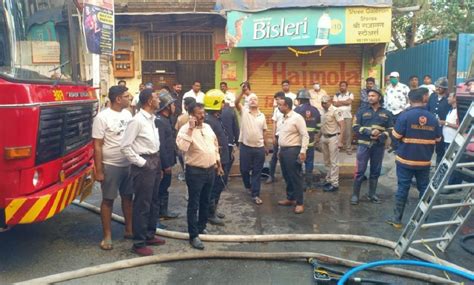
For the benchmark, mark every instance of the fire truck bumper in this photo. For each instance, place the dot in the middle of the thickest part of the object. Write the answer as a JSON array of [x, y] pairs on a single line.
[[50, 201]]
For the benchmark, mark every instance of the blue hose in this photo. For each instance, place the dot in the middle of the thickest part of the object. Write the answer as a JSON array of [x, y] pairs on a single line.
[[362, 267]]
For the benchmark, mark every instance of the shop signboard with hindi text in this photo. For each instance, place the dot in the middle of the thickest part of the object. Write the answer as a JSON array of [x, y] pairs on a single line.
[[309, 27]]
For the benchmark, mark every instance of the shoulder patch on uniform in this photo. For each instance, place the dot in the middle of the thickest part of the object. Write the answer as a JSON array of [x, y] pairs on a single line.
[[383, 115], [366, 114]]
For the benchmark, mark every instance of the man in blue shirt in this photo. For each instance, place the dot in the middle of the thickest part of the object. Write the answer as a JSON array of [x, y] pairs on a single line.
[[313, 119], [371, 126], [418, 131], [438, 105]]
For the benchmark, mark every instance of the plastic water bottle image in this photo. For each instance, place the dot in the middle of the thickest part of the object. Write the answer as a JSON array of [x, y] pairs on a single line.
[[323, 28]]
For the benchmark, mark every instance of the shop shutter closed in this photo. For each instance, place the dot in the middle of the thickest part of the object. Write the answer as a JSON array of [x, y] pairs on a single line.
[[268, 67]]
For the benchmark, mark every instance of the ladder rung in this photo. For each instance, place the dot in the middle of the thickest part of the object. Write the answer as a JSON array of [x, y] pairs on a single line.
[[459, 186], [430, 240], [439, 224], [453, 205], [465, 164]]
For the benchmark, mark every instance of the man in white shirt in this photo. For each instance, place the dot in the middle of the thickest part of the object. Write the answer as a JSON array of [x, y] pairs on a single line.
[[316, 94], [195, 93], [396, 100], [112, 168], [141, 145], [428, 84], [229, 96], [343, 100], [285, 87], [277, 119]]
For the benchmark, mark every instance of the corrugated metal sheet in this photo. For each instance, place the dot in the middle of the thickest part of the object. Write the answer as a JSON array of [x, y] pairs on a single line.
[[465, 57], [431, 58], [268, 67]]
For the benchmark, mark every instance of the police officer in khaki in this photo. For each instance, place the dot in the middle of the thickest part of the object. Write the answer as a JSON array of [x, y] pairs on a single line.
[[332, 126]]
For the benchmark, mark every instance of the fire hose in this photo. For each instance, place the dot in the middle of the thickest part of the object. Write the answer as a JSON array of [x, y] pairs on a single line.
[[93, 270]]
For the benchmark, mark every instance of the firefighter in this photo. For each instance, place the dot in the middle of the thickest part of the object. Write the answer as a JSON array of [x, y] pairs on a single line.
[[164, 125], [418, 131], [372, 126], [213, 101], [312, 118]]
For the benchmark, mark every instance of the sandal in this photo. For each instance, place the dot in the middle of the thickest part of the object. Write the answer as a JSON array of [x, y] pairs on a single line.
[[106, 245], [257, 200]]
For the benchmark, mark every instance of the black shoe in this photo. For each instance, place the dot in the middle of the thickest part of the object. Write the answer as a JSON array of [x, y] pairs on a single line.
[[322, 184], [197, 243], [216, 221], [161, 226], [330, 188], [204, 232], [374, 199], [220, 215], [169, 216]]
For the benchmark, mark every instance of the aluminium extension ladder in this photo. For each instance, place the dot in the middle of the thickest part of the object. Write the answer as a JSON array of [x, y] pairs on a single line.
[[439, 181]]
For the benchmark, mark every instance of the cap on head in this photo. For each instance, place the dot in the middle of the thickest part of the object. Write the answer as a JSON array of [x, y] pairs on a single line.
[[303, 94], [325, 99], [213, 100], [442, 82], [394, 74], [165, 100]]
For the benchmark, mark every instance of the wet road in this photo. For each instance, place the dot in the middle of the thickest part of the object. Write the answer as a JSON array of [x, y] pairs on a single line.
[[71, 240]]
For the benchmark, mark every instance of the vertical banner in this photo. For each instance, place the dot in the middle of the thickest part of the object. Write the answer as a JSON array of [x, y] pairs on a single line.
[[99, 26]]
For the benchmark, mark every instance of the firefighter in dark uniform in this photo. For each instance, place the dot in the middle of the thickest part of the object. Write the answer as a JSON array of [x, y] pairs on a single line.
[[166, 132], [418, 131], [372, 126], [312, 118], [213, 102]]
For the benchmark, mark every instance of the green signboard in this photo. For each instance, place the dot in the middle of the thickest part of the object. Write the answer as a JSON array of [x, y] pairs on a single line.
[[308, 27]]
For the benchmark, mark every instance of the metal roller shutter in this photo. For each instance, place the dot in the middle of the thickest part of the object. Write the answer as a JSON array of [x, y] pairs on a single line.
[[268, 67]]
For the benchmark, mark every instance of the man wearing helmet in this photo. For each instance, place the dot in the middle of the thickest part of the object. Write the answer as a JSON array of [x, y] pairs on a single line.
[[213, 101], [312, 118], [164, 124]]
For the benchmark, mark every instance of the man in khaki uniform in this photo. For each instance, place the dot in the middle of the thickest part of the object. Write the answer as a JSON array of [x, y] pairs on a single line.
[[332, 126], [316, 94]]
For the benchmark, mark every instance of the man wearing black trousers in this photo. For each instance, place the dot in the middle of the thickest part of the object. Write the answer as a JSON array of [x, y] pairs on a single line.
[[293, 140], [141, 145], [167, 151], [199, 143]]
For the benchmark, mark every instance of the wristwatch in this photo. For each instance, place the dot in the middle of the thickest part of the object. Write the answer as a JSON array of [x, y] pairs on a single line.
[[446, 124]]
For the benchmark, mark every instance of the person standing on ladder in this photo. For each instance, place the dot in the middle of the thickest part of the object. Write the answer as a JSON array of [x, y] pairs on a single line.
[[371, 126], [312, 118], [418, 131]]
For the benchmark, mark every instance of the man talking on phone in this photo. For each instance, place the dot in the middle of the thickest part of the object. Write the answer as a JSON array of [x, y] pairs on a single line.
[[200, 146], [293, 140]]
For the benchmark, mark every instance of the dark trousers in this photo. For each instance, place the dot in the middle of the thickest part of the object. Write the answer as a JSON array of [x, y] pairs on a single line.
[[200, 182], [163, 187], [309, 162], [146, 202], [440, 151], [292, 173], [252, 160], [395, 141], [219, 184], [405, 175], [274, 160], [365, 153], [232, 159]]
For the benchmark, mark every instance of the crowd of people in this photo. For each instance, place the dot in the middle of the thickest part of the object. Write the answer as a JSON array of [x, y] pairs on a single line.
[[139, 139]]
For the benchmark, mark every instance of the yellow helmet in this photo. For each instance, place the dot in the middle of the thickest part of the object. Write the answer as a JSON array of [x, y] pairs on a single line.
[[213, 100]]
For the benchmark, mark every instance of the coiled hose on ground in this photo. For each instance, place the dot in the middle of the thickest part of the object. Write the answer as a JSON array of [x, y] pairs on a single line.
[[93, 270]]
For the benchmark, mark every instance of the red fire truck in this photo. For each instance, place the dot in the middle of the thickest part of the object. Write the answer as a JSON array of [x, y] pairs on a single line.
[[46, 110]]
